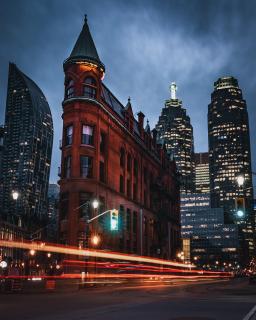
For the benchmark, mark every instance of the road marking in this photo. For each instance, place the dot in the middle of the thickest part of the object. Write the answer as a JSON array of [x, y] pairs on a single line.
[[250, 314]]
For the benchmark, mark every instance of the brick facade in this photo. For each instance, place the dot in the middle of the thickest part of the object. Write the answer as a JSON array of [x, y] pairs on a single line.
[[108, 155]]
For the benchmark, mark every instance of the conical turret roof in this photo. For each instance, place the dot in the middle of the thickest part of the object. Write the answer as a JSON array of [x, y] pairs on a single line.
[[84, 49]]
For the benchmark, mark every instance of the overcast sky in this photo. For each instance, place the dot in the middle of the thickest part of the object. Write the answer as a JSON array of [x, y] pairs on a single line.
[[145, 45]]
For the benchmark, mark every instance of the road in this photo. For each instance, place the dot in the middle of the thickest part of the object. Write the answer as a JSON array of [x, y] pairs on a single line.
[[229, 299]]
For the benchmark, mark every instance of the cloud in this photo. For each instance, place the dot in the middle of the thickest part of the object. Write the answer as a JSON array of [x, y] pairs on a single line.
[[145, 45]]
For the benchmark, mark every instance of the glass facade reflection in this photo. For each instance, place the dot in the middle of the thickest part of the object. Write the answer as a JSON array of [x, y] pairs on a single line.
[[211, 239], [27, 151]]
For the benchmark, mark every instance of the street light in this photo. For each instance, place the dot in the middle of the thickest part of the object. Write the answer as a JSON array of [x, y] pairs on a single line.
[[3, 264], [180, 255], [95, 204], [240, 213], [95, 240], [240, 180], [240, 202], [32, 252], [15, 196]]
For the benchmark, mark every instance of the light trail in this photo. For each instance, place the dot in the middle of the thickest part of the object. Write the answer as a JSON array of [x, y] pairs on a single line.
[[137, 267], [153, 277], [158, 271], [42, 246]]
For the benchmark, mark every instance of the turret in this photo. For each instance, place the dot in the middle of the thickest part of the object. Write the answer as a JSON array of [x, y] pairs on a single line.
[[83, 68]]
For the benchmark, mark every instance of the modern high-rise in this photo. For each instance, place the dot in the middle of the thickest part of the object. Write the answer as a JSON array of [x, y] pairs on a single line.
[[27, 151], [176, 132], [229, 154], [202, 176], [1, 167], [212, 242]]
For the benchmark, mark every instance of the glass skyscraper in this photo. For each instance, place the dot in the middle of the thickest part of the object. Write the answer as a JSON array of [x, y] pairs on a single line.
[[27, 151], [176, 132], [1, 165], [229, 154], [212, 242]]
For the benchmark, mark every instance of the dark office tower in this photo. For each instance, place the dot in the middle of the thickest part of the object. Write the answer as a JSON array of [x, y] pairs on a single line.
[[27, 151], [202, 177], [229, 153], [1, 168], [176, 132], [53, 204]]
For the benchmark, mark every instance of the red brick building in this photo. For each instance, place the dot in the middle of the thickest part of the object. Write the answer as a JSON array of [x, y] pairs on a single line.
[[108, 155]]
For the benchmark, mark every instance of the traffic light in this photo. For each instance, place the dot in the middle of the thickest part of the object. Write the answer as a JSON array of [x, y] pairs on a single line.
[[240, 207], [114, 220]]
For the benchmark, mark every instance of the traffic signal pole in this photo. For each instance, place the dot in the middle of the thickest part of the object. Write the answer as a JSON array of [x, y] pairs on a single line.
[[99, 215]]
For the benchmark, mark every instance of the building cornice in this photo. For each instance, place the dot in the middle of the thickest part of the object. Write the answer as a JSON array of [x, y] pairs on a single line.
[[93, 101]]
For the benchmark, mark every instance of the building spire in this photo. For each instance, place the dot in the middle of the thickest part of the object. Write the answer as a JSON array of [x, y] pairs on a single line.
[[147, 128], [84, 49], [128, 105], [173, 89]]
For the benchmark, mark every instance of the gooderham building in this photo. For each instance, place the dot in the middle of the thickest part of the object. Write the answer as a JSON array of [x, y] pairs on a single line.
[[108, 155]]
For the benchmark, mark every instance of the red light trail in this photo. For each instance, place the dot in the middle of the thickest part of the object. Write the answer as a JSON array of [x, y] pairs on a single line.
[[49, 247], [130, 270]]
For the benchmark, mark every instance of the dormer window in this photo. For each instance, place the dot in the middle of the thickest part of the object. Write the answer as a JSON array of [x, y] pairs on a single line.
[[70, 90], [90, 88]]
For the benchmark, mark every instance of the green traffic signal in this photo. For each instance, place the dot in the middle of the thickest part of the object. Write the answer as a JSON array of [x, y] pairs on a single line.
[[114, 220]]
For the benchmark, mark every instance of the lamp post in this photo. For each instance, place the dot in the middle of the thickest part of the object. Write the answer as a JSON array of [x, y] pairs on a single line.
[[95, 241], [15, 196], [242, 202], [95, 205]]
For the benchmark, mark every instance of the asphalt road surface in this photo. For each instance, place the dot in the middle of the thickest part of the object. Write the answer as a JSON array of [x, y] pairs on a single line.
[[231, 300]]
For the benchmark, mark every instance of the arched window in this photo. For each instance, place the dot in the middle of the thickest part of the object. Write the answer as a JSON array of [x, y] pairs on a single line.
[[70, 90], [90, 88]]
